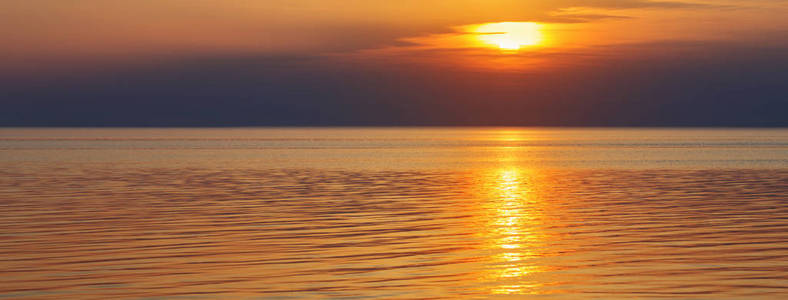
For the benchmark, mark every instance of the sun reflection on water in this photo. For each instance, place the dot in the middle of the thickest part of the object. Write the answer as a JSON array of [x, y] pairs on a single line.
[[513, 239]]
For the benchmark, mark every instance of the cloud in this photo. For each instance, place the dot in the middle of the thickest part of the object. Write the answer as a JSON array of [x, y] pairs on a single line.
[[628, 4], [87, 28], [688, 83], [578, 15]]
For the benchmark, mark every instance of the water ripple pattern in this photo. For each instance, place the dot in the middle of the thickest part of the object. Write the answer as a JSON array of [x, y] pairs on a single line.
[[492, 227]]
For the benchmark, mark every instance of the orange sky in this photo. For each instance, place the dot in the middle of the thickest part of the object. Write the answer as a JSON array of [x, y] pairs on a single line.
[[47, 33], [403, 62]]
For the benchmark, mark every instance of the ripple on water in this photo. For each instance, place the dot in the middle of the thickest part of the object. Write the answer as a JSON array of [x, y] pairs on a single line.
[[113, 233]]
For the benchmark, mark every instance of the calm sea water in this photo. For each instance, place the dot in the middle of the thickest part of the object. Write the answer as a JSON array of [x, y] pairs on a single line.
[[395, 213]]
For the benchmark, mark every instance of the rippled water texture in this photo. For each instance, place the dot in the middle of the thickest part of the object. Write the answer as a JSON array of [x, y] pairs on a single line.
[[393, 213]]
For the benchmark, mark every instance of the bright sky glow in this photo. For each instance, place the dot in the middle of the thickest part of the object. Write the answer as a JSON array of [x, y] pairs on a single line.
[[510, 36]]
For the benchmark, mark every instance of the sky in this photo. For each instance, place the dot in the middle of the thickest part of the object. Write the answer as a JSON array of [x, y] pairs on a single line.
[[405, 62]]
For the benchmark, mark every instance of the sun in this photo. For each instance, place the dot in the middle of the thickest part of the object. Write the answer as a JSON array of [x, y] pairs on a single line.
[[509, 36]]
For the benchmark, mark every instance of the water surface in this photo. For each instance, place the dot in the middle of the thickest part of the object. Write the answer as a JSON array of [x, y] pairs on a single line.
[[395, 213]]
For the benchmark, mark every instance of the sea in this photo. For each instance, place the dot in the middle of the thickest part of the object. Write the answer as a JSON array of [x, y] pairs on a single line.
[[393, 213]]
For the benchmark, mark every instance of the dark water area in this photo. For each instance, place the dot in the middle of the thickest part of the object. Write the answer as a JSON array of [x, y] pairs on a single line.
[[393, 213]]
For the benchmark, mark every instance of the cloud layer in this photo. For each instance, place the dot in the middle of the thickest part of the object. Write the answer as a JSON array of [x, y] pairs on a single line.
[[354, 62]]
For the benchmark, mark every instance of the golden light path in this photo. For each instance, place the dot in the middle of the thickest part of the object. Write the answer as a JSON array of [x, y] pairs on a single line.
[[515, 238], [514, 216]]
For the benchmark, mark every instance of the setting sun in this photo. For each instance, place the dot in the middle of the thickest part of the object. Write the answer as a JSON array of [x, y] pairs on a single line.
[[510, 36], [420, 149]]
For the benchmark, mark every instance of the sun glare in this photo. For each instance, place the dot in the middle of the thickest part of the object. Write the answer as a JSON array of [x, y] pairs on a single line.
[[510, 36]]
